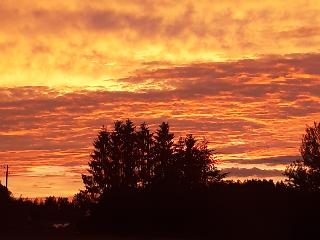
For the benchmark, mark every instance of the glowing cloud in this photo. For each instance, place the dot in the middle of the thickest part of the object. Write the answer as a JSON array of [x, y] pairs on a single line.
[[246, 77]]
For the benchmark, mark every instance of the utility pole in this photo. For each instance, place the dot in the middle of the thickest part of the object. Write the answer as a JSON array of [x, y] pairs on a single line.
[[7, 172]]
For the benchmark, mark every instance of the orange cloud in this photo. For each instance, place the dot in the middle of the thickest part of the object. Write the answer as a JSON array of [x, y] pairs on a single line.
[[249, 111], [59, 43], [246, 77]]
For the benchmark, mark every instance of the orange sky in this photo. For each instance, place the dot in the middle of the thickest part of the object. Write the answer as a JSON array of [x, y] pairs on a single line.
[[246, 76]]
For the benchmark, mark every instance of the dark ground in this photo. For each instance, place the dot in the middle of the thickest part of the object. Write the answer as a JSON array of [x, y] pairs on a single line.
[[256, 210]]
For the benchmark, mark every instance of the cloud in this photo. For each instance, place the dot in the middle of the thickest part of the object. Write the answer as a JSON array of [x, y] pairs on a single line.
[[81, 44], [271, 161], [245, 78], [252, 172], [256, 78], [244, 106], [302, 32]]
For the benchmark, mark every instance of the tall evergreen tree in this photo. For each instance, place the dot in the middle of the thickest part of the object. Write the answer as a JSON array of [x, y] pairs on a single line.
[[117, 155], [145, 159], [129, 150], [163, 152], [193, 163], [100, 168]]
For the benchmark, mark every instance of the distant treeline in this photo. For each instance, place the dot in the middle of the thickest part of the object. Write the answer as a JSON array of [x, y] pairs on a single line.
[[254, 209], [147, 184]]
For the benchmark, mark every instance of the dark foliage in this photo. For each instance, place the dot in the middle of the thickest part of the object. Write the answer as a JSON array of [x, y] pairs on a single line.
[[129, 158], [304, 174], [255, 209], [177, 191], [25, 216], [144, 184]]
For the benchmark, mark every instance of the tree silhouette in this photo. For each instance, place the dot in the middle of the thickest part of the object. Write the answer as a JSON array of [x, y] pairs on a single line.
[[163, 152], [100, 166], [129, 153], [305, 173], [116, 156], [144, 160], [196, 163], [130, 158]]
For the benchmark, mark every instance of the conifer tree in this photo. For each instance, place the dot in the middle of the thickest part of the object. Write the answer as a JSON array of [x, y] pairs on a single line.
[[163, 152], [130, 158], [100, 168], [145, 159]]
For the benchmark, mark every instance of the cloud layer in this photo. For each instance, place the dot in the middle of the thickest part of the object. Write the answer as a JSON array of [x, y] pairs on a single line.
[[61, 43], [253, 112], [246, 77]]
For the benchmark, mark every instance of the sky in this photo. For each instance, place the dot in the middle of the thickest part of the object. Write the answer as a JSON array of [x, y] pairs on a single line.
[[243, 75]]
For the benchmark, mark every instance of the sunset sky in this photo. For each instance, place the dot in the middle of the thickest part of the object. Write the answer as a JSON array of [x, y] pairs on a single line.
[[243, 74]]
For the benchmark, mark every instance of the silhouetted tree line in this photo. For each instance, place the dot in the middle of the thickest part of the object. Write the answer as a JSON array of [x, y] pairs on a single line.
[[147, 184], [38, 216], [129, 157]]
